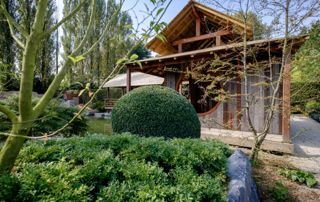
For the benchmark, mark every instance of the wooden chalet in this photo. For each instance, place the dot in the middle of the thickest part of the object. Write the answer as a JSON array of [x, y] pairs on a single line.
[[199, 34]]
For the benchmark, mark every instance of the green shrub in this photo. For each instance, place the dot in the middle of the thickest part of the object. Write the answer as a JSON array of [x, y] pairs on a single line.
[[54, 117], [302, 92], [9, 186], [122, 168], [155, 111], [312, 107], [99, 105]]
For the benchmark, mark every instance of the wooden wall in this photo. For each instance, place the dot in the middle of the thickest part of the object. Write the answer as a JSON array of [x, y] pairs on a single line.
[[231, 114]]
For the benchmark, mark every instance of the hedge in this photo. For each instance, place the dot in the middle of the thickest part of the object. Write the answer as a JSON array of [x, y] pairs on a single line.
[[54, 117], [302, 92], [119, 168], [155, 111]]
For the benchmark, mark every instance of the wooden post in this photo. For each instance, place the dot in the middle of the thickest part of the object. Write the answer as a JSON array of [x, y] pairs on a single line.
[[128, 80], [218, 40], [180, 48], [286, 103], [198, 26], [239, 104], [198, 21]]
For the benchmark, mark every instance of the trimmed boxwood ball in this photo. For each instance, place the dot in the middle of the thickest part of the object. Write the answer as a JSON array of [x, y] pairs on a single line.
[[155, 111]]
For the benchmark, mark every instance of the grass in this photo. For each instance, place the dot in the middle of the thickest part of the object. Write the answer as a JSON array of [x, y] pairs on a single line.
[[101, 126]]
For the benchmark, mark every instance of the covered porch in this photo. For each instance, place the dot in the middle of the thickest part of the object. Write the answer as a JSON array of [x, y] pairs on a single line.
[[225, 119]]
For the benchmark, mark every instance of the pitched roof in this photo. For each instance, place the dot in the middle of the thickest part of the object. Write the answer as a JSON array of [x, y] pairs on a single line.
[[183, 26], [137, 79], [157, 65]]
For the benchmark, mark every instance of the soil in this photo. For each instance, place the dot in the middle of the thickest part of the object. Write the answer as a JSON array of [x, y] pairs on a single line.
[[266, 174]]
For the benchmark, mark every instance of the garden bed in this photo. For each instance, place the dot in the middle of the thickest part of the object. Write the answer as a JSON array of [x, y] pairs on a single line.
[[120, 168]]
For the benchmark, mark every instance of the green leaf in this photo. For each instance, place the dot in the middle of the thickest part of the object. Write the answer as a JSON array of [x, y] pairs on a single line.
[[76, 59], [159, 11], [88, 86], [153, 1], [139, 63], [311, 182], [134, 57], [161, 37], [81, 92], [121, 60]]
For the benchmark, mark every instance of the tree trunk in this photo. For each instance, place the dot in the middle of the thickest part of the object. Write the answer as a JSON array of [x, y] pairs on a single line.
[[11, 149]]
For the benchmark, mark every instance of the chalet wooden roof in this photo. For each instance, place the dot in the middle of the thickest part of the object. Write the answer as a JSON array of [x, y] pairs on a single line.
[[158, 65], [183, 26]]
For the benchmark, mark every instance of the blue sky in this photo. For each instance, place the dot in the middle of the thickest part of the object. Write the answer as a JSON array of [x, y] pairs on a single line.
[[172, 11]]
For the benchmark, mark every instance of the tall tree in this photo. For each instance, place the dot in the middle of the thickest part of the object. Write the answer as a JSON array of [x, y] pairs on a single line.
[[7, 50], [307, 60], [45, 64], [260, 30], [22, 123]]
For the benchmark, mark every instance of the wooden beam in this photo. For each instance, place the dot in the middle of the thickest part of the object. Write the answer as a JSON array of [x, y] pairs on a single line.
[[201, 37], [128, 80], [286, 103], [218, 41]]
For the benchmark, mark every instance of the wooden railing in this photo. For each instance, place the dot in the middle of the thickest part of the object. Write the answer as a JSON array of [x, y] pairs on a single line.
[[109, 103]]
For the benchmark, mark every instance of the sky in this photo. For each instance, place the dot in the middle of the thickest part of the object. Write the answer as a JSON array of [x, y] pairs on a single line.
[[172, 11]]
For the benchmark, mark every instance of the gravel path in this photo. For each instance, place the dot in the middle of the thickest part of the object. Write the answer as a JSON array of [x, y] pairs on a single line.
[[305, 134]]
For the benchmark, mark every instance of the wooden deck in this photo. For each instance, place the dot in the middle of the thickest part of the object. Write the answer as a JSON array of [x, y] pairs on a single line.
[[245, 139]]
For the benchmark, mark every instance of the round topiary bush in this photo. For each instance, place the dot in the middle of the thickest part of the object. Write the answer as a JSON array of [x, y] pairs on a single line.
[[155, 111]]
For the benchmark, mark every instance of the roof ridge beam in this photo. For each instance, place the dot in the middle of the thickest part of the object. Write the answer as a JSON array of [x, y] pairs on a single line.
[[202, 37]]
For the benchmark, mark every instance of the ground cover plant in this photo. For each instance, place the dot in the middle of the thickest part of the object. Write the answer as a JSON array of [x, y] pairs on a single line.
[[163, 112], [118, 168], [54, 117], [299, 176]]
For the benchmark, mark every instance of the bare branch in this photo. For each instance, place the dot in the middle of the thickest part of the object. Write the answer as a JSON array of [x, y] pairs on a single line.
[[17, 40]]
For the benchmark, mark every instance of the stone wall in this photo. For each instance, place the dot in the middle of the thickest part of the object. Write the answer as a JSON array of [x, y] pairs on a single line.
[[242, 187]]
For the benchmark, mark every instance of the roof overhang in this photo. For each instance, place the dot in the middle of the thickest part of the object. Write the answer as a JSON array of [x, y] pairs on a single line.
[[156, 66]]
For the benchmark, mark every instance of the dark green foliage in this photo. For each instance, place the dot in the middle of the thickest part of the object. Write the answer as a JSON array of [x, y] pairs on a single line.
[[312, 107], [99, 105], [302, 92], [8, 187], [54, 117], [155, 111], [279, 192], [300, 176], [306, 64], [122, 168], [142, 52]]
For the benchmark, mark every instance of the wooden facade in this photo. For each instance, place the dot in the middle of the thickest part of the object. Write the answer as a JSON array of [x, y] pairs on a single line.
[[200, 34]]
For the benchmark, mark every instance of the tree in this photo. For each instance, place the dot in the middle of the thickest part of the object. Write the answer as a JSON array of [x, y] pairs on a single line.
[[103, 59], [260, 30], [307, 60], [7, 51], [31, 43], [288, 17], [142, 52]]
